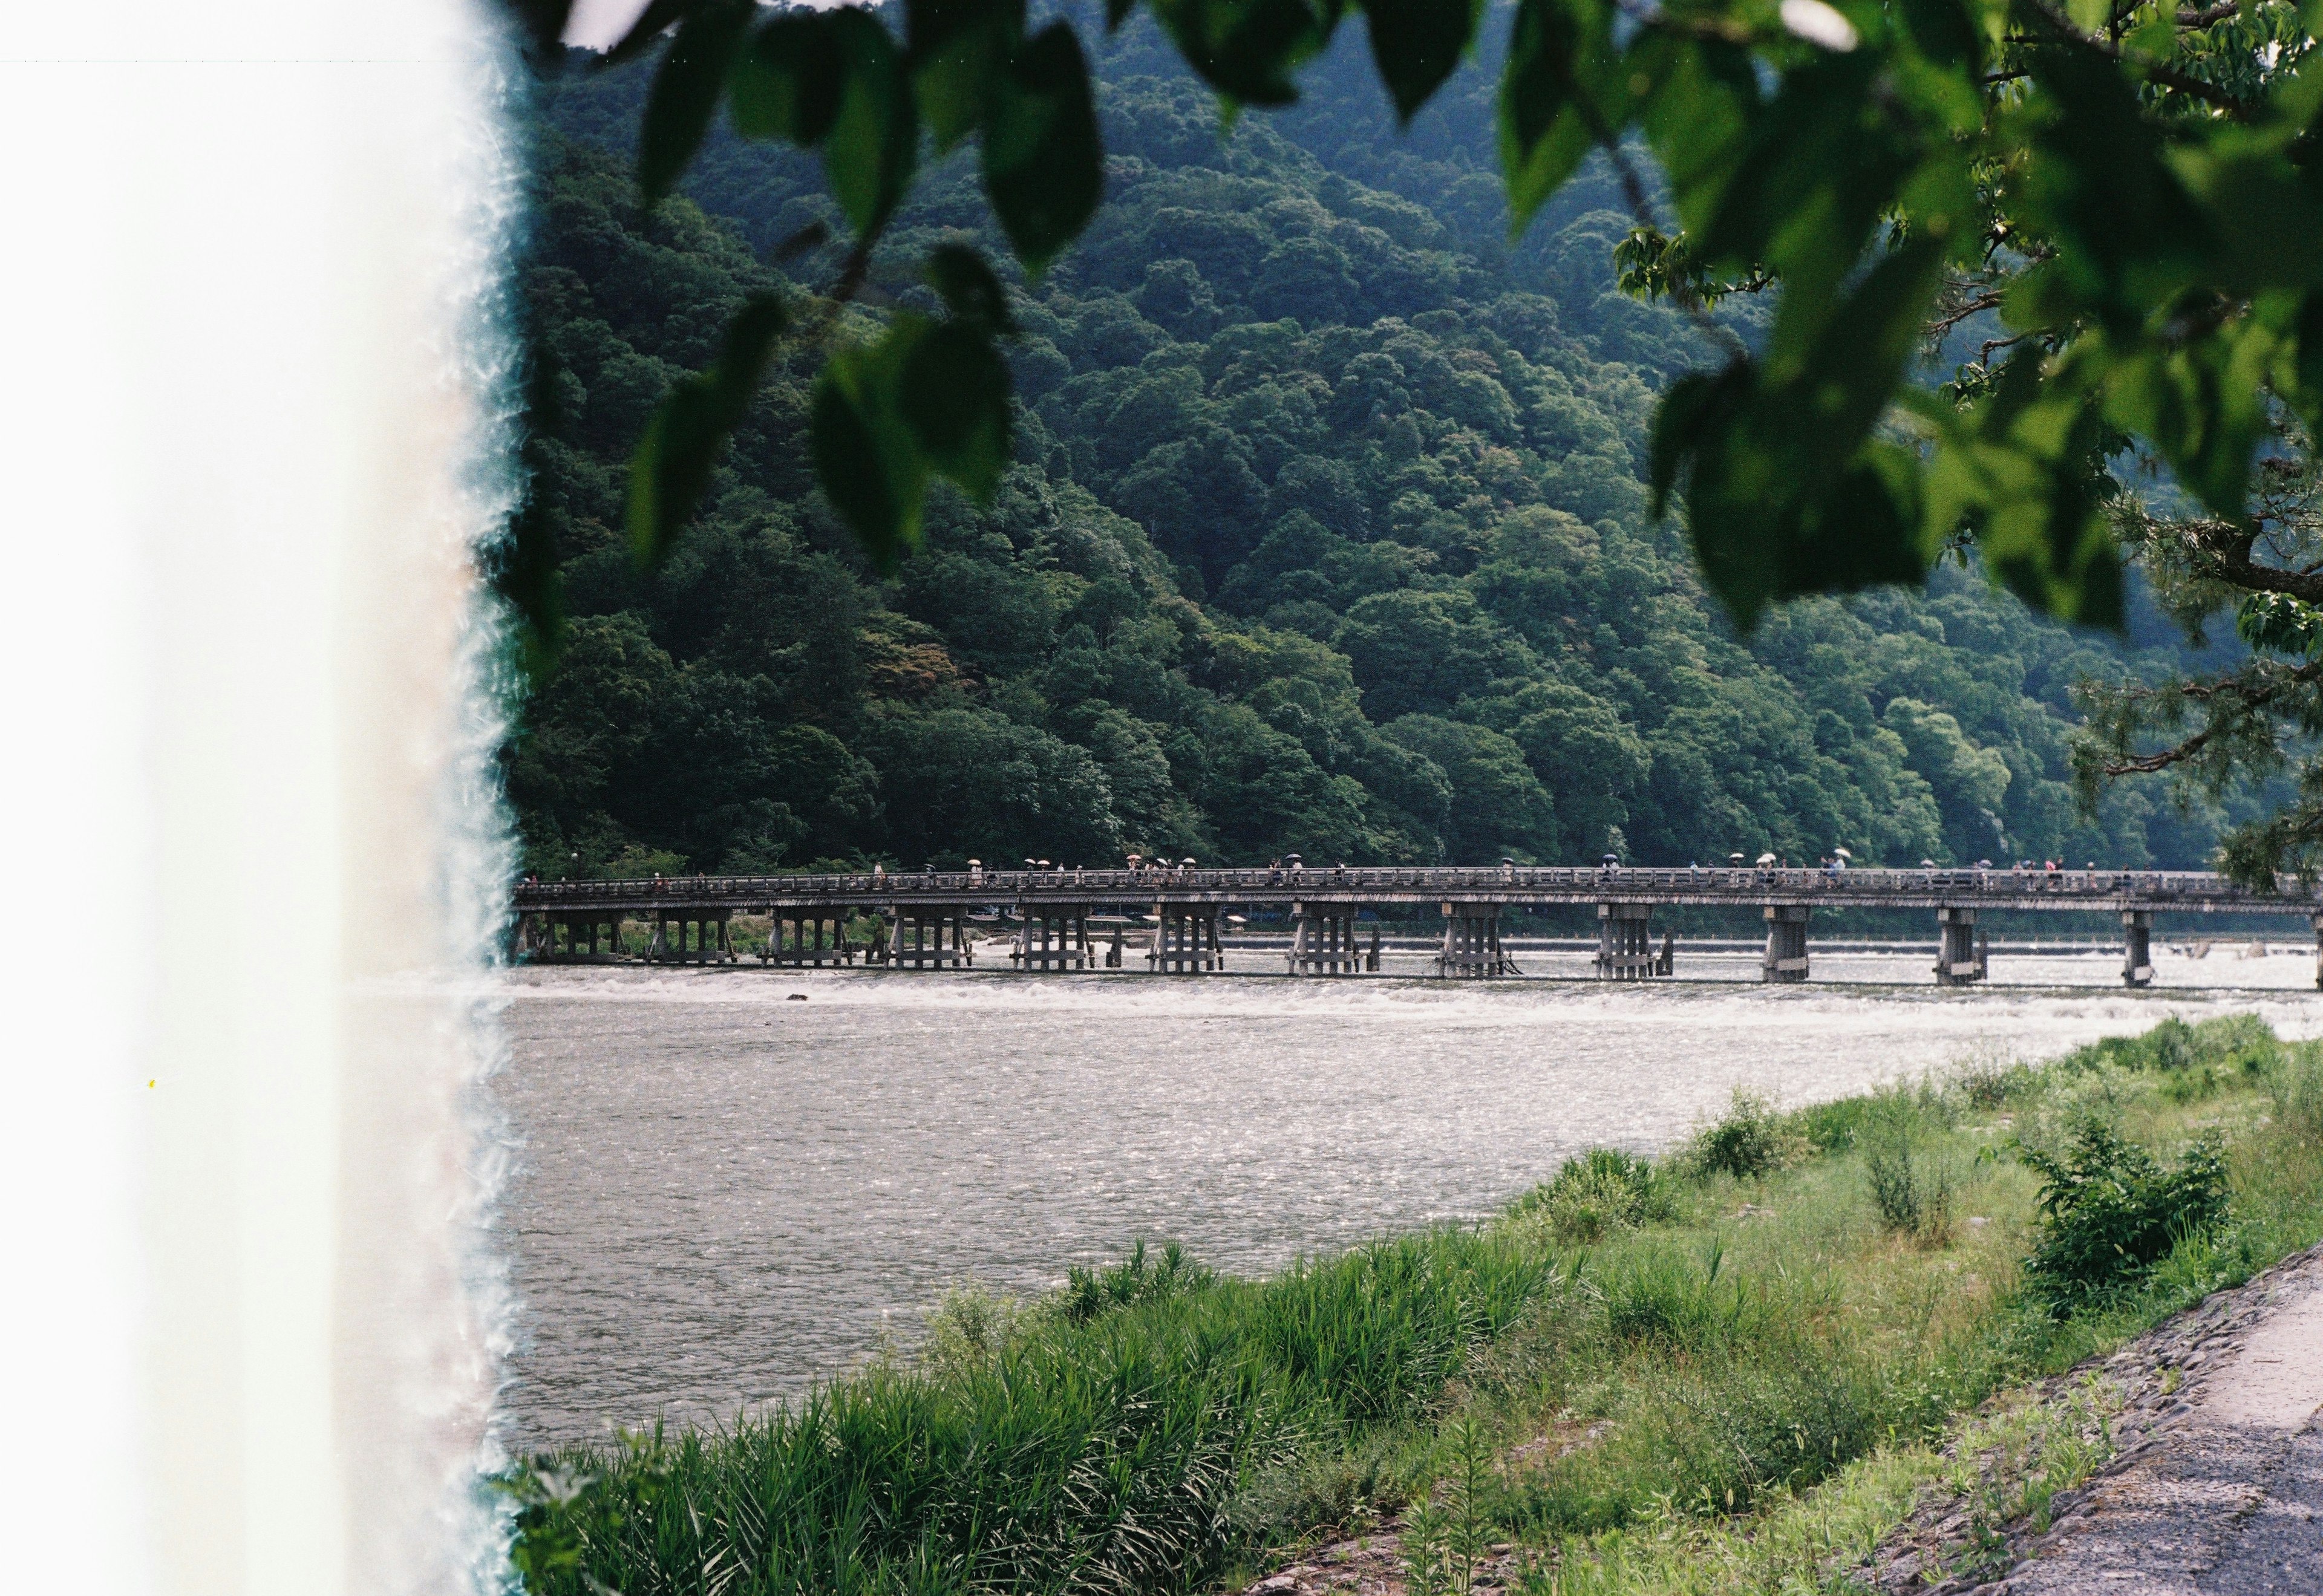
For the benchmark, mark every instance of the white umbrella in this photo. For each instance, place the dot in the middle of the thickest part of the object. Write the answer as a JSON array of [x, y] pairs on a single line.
[[1842, 853], [1765, 858]]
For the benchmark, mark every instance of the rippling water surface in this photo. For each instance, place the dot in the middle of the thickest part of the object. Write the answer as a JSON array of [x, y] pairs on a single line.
[[725, 1193]]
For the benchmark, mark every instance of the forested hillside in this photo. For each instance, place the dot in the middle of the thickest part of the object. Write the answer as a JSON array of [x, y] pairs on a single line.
[[1326, 533]]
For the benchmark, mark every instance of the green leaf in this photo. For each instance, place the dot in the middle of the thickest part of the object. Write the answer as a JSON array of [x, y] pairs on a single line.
[[1417, 43], [849, 464], [957, 47], [671, 469], [685, 93], [954, 395], [787, 84], [1945, 32], [865, 458], [2201, 404], [1247, 48], [1787, 492], [872, 143], [2022, 470], [1043, 165], [925, 397], [970, 290], [1547, 122]]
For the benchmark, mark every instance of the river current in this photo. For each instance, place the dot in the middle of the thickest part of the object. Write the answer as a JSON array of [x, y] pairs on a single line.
[[723, 1194]]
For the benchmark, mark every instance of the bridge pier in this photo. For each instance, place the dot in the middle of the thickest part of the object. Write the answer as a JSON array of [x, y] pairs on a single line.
[[2137, 947], [1625, 944], [1961, 955], [1186, 940], [1785, 959], [929, 938], [1053, 937], [799, 939], [1323, 940], [1472, 942], [667, 943]]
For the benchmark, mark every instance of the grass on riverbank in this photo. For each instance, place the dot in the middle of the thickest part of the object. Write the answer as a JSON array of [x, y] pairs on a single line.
[[1721, 1371]]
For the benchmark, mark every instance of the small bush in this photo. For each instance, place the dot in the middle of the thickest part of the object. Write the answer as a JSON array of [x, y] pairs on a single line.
[[1091, 1294], [1661, 1299], [1988, 1079], [1911, 1181], [1749, 1142], [2296, 1085], [1603, 1190], [968, 1329], [1832, 1127], [1329, 1489], [2109, 1211], [1911, 1188]]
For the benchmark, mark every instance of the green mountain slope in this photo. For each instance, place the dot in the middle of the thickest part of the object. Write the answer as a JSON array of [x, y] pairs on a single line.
[[1326, 534]]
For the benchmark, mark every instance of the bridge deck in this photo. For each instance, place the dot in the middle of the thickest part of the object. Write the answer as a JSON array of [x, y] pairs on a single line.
[[1506, 886]]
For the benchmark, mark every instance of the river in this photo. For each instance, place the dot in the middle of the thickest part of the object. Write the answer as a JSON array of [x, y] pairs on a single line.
[[722, 1193]]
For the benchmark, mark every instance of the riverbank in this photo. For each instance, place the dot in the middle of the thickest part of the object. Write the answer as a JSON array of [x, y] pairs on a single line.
[[1636, 1371]]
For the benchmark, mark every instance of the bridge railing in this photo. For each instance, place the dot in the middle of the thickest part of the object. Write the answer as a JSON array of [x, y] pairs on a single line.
[[1856, 886]]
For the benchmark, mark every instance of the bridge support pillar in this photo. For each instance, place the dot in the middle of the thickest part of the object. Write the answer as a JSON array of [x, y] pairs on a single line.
[[1323, 940], [1186, 940], [1962, 958], [2137, 947], [1472, 942], [798, 937], [1625, 944], [1053, 937], [930, 937], [1785, 959]]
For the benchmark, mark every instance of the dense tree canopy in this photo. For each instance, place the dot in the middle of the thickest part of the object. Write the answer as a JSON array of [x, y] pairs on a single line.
[[1325, 528]]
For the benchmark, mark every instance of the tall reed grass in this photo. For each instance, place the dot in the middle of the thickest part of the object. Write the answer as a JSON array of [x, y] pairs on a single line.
[[1632, 1346]]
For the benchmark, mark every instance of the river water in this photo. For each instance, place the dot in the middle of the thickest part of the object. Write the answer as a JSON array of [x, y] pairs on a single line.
[[723, 1194]]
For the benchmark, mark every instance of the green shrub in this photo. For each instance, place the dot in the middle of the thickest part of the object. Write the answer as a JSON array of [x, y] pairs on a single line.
[[1749, 1142], [1832, 1127], [1091, 1294], [1911, 1182], [1603, 1190], [1713, 1436], [1660, 1298], [1911, 1188], [969, 1328], [1989, 1080], [2109, 1211], [2296, 1085], [1329, 1487]]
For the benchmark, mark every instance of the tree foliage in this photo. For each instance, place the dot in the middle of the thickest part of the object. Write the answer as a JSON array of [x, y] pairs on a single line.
[[2126, 183], [1246, 584]]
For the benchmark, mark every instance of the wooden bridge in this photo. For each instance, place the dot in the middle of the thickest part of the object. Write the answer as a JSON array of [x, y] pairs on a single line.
[[1167, 917]]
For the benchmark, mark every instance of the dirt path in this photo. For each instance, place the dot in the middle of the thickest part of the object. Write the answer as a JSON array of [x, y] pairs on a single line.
[[2218, 1485]]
